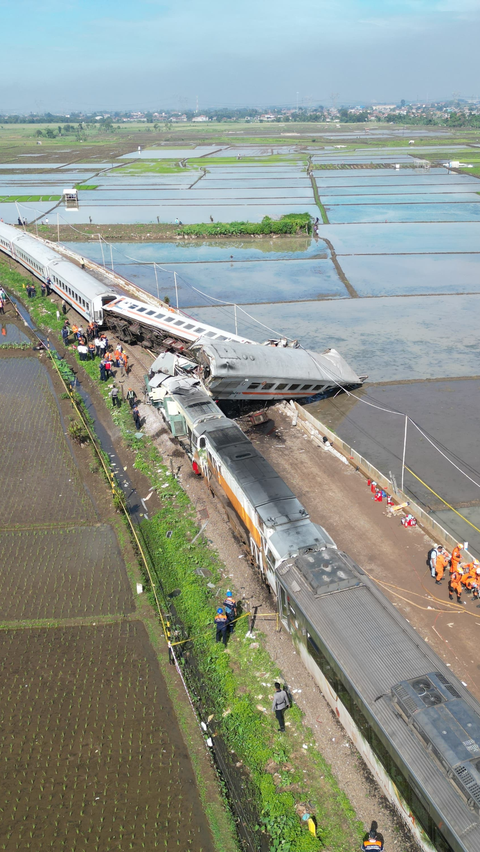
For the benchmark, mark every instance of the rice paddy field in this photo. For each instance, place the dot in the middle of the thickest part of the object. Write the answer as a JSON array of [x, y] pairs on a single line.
[[91, 753]]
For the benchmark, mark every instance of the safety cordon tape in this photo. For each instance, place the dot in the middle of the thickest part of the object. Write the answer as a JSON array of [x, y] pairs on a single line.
[[451, 605], [443, 501]]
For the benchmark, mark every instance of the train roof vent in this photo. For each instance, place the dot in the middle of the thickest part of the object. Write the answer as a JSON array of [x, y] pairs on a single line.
[[407, 703], [448, 686], [469, 783]]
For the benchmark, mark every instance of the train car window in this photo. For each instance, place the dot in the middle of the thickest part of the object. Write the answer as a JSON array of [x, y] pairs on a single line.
[[210, 334], [188, 326], [267, 385], [441, 845], [281, 387], [380, 751], [306, 387], [253, 385], [150, 313], [420, 812], [317, 387], [400, 781], [168, 319], [202, 443], [141, 310], [294, 387]]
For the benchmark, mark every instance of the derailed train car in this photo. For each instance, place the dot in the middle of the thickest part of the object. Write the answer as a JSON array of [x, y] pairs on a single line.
[[238, 371], [414, 723]]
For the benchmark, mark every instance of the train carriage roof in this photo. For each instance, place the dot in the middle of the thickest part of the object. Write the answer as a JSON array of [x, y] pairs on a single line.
[[86, 284], [35, 248], [377, 650], [274, 501], [231, 360]]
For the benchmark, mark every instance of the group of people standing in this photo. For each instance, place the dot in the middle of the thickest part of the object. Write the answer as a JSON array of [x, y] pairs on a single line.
[[461, 575]]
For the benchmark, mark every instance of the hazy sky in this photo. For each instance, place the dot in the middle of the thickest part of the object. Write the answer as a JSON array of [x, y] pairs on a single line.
[[60, 55]]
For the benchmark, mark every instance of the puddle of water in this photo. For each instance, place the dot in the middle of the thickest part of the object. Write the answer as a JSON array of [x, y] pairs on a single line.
[[11, 334]]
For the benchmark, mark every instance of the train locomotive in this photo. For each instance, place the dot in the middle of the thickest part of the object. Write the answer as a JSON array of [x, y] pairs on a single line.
[[415, 724]]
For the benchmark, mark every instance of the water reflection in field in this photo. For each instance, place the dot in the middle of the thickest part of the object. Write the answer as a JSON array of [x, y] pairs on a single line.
[[391, 339]]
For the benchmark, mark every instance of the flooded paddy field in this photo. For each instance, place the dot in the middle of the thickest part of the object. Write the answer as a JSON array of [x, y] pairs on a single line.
[[91, 753], [280, 270]]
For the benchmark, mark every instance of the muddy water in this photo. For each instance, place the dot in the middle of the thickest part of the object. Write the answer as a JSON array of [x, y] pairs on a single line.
[[11, 334]]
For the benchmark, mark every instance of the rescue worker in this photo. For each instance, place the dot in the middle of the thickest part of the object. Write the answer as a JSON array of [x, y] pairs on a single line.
[[470, 576], [456, 557], [230, 605], [65, 334], [221, 623], [455, 585], [131, 397], [374, 841], [440, 564], [116, 357]]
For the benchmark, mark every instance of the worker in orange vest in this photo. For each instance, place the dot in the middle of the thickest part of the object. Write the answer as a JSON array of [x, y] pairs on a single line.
[[456, 557], [471, 577], [455, 585], [440, 564], [221, 623], [374, 841]]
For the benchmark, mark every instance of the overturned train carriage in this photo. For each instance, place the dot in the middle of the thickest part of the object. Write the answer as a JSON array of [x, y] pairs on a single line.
[[414, 723], [239, 371]]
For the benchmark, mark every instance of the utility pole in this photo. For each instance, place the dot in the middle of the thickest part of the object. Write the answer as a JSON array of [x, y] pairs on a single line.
[[176, 288], [404, 452], [156, 277], [58, 229], [101, 247], [111, 257]]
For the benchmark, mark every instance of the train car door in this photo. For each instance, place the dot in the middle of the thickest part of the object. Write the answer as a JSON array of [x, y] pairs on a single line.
[[257, 554], [283, 607]]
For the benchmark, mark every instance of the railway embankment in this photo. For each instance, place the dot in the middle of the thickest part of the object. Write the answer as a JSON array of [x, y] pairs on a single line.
[[280, 778]]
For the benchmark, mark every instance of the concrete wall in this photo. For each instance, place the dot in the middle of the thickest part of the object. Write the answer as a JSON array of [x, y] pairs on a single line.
[[316, 429]]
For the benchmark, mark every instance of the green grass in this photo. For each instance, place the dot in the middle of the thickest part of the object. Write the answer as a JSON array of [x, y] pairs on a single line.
[[7, 199], [159, 167], [87, 186], [291, 223]]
